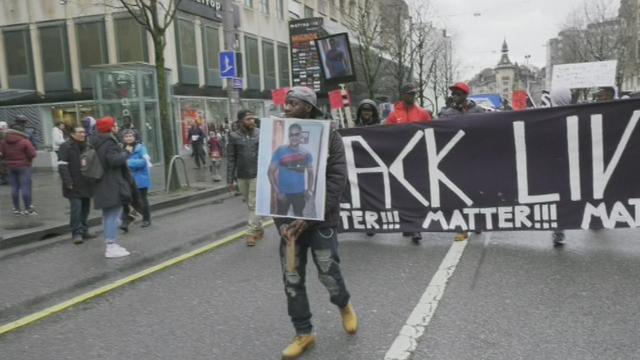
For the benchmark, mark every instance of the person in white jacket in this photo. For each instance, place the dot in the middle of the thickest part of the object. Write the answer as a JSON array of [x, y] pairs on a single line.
[[57, 136]]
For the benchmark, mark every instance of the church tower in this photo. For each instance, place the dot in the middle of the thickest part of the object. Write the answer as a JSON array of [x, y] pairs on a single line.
[[505, 74]]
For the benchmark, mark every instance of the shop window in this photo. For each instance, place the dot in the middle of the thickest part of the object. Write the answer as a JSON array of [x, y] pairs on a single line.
[[253, 65], [131, 40], [19, 64], [269, 65], [187, 58], [211, 50], [92, 48], [55, 58], [283, 66]]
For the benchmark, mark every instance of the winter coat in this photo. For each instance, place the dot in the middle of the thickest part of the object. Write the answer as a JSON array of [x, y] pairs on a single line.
[[113, 189], [469, 108], [242, 155], [402, 115], [198, 132], [214, 145], [376, 116], [139, 167], [336, 181], [74, 184], [57, 138], [16, 149]]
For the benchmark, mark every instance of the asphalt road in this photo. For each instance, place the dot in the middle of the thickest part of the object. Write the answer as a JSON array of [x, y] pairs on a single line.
[[512, 296]]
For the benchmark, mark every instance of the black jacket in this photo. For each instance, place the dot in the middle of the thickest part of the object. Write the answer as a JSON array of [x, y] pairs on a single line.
[[113, 189], [242, 155], [74, 185], [336, 181]]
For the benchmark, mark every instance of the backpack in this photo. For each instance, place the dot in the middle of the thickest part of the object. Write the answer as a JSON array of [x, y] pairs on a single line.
[[90, 165]]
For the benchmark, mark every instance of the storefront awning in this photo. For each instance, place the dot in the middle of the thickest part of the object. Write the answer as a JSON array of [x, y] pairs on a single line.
[[12, 94]]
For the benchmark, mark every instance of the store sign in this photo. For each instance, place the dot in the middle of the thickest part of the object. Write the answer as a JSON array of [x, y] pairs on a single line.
[[209, 9]]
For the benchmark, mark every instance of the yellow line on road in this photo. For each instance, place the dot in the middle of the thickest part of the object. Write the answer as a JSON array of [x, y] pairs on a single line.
[[27, 320]]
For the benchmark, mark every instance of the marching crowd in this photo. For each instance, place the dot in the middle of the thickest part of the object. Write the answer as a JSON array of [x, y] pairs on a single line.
[[110, 165]]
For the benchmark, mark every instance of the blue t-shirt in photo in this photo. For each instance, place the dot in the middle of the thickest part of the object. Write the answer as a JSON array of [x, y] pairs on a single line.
[[291, 164]]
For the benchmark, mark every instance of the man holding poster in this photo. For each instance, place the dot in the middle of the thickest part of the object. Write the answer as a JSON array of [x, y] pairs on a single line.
[[319, 236]]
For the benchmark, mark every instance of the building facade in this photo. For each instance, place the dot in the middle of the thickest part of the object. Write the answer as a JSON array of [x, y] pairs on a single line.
[[49, 49]]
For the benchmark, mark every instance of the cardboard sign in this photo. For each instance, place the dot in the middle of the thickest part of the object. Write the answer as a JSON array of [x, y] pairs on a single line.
[[584, 75]]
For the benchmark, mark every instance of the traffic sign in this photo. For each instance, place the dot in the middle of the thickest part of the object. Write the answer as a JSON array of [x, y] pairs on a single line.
[[228, 68], [237, 83]]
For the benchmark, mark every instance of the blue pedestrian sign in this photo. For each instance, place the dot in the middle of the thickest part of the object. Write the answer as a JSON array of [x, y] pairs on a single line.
[[228, 68]]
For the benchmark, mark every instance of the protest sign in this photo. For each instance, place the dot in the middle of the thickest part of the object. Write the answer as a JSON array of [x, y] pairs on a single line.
[[573, 167], [292, 162], [584, 75]]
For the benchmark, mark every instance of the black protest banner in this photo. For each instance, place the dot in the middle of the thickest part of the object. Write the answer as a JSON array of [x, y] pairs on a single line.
[[574, 167]]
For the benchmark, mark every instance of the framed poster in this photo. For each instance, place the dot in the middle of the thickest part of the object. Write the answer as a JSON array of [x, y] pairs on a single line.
[[335, 58], [292, 162]]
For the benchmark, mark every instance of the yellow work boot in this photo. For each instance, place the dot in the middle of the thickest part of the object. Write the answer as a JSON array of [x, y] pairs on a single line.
[[299, 345], [251, 240], [461, 236], [349, 319]]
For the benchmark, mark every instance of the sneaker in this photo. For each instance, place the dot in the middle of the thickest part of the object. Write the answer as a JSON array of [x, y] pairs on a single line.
[[145, 224], [115, 251], [300, 344], [17, 212], [416, 238], [558, 238], [30, 211], [461, 236], [77, 239], [349, 319], [370, 233]]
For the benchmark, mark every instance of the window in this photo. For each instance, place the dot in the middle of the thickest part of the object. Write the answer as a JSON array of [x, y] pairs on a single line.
[[131, 40], [92, 48], [269, 65], [55, 58], [283, 66], [248, 3], [17, 44], [308, 12], [187, 57], [322, 7], [280, 9], [253, 64], [52, 43], [264, 6], [342, 6], [211, 47]]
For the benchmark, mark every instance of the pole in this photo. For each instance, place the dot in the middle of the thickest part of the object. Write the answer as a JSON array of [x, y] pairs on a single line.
[[233, 95]]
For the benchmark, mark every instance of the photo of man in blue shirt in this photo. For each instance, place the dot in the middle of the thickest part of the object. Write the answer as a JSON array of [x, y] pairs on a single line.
[[287, 174]]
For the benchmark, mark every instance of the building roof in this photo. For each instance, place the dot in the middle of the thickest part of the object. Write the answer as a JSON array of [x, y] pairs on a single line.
[[504, 60]]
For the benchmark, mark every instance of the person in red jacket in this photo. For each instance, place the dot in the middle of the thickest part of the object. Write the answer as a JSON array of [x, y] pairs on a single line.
[[406, 110], [17, 152]]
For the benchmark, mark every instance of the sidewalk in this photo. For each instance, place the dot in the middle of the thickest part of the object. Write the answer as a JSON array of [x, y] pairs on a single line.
[[53, 208]]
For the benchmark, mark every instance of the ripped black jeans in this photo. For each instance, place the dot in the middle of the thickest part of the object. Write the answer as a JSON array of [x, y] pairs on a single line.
[[324, 250]]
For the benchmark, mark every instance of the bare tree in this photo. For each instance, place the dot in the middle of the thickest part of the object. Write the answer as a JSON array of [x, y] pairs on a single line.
[[156, 17], [398, 43], [365, 21]]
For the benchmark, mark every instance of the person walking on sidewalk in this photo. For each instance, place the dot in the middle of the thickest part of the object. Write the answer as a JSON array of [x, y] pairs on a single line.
[[242, 164], [75, 187], [57, 137], [215, 153], [138, 164], [407, 111], [459, 105], [319, 236], [112, 191], [196, 139], [18, 152], [3, 168]]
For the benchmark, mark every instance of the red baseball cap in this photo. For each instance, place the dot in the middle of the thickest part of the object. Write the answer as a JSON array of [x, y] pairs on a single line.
[[105, 124], [460, 86]]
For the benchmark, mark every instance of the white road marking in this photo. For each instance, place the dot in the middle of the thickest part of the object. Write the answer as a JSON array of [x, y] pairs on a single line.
[[407, 341]]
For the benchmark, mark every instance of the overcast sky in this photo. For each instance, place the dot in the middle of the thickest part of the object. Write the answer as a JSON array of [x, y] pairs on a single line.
[[527, 25]]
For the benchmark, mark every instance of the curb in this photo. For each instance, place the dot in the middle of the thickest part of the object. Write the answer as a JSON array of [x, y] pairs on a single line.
[[44, 232]]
